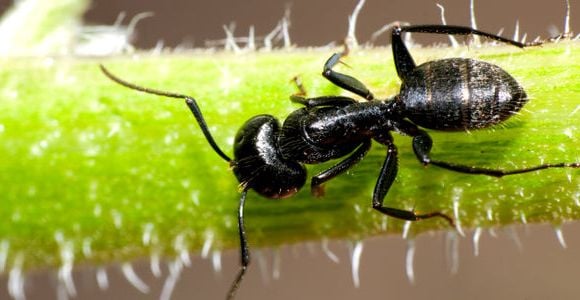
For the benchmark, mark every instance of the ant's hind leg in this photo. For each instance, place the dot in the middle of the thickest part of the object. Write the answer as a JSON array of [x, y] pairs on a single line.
[[317, 181], [422, 146], [404, 62], [462, 30]]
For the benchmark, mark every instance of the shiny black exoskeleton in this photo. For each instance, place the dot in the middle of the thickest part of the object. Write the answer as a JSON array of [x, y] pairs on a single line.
[[448, 94]]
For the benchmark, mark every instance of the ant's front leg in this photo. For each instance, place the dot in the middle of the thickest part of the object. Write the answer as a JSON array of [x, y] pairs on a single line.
[[316, 187], [384, 182], [244, 250], [300, 86], [300, 97], [337, 101], [422, 144]]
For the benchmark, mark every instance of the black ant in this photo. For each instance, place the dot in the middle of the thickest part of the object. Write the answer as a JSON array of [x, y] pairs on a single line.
[[448, 94]]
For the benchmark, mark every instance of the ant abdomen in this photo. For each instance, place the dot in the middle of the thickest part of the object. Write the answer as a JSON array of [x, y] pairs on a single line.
[[460, 94], [258, 164]]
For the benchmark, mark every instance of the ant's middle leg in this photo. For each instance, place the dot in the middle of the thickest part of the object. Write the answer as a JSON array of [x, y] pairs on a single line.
[[422, 144], [316, 184], [384, 182], [344, 81]]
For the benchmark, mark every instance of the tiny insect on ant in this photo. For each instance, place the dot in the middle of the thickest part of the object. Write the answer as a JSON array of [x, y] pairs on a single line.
[[448, 94]]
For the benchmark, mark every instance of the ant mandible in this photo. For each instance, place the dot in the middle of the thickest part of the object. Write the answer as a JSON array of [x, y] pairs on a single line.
[[449, 94]]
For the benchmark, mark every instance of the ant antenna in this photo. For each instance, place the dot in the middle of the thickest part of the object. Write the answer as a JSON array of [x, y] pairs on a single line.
[[191, 103]]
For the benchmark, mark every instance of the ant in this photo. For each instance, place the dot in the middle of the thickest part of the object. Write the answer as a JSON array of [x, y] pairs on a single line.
[[449, 94]]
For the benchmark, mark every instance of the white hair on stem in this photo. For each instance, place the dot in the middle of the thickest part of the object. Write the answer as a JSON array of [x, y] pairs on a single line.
[[16, 278], [567, 19], [386, 28], [476, 239], [355, 262], [352, 19], [452, 247], [409, 261], [452, 39], [133, 278], [560, 236], [102, 278], [476, 40], [175, 268]]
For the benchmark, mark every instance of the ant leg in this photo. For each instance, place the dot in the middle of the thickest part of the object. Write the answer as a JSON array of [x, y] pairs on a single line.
[[338, 101], [301, 89], [422, 146], [316, 183], [244, 251], [300, 97], [463, 30], [404, 62], [344, 81], [384, 182]]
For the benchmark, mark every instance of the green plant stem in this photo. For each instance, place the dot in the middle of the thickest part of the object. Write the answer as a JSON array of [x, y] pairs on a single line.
[[103, 173]]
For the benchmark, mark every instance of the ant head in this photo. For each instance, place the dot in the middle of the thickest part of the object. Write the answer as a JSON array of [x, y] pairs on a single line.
[[259, 166]]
